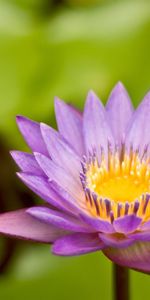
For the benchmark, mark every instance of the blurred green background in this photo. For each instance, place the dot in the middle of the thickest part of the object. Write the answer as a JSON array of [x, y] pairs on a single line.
[[63, 48]]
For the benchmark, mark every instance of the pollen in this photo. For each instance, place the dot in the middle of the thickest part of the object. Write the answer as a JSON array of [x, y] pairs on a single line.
[[118, 185]]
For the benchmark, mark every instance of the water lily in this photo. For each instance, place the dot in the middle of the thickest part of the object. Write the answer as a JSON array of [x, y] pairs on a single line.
[[94, 175]]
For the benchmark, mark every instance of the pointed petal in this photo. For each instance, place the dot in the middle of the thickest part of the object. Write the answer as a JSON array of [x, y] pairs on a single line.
[[32, 134], [127, 224], [67, 200], [41, 187], [97, 133], [26, 162], [58, 174], [21, 225], [119, 112], [58, 219], [139, 130], [97, 223], [69, 123], [77, 244], [136, 256], [60, 152]]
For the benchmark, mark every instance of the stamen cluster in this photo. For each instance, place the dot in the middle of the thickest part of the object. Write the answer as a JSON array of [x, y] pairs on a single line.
[[117, 185]]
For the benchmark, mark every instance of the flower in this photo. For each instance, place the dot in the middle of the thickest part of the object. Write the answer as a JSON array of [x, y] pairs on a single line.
[[94, 174]]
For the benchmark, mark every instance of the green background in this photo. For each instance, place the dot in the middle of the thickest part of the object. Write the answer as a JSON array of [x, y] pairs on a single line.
[[63, 48]]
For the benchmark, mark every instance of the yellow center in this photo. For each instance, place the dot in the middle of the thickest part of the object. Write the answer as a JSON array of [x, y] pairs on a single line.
[[120, 188], [122, 180]]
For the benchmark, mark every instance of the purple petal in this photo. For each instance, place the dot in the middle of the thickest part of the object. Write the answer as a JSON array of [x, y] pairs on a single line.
[[76, 244], [58, 174], [58, 219], [26, 162], [97, 223], [127, 224], [32, 134], [97, 133], [75, 109], [76, 207], [141, 236], [119, 111], [60, 152], [139, 130], [136, 256], [42, 188], [115, 241], [145, 226], [20, 224], [70, 125]]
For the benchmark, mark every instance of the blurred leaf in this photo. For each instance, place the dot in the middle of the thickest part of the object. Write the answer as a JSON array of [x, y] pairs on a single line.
[[31, 6], [39, 275], [68, 55], [84, 2], [73, 52]]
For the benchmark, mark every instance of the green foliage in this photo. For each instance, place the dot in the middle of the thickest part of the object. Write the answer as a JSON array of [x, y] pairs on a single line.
[[39, 275], [69, 53], [36, 274]]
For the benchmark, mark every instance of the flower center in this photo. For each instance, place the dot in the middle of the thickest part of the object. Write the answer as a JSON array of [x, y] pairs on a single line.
[[122, 181], [117, 186]]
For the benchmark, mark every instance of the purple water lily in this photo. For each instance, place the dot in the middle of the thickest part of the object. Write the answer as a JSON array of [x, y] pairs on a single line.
[[94, 174]]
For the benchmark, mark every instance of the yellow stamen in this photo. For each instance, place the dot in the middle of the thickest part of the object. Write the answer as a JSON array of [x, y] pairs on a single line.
[[121, 180]]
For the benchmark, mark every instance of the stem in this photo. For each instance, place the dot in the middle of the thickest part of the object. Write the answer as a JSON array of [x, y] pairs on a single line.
[[121, 282]]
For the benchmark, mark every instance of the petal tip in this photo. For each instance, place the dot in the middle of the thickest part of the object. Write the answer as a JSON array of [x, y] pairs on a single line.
[[43, 127], [120, 86], [13, 153], [21, 119], [92, 101], [91, 95], [46, 129], [31, 211], [59, 105], [38, 156], [58, 102]]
